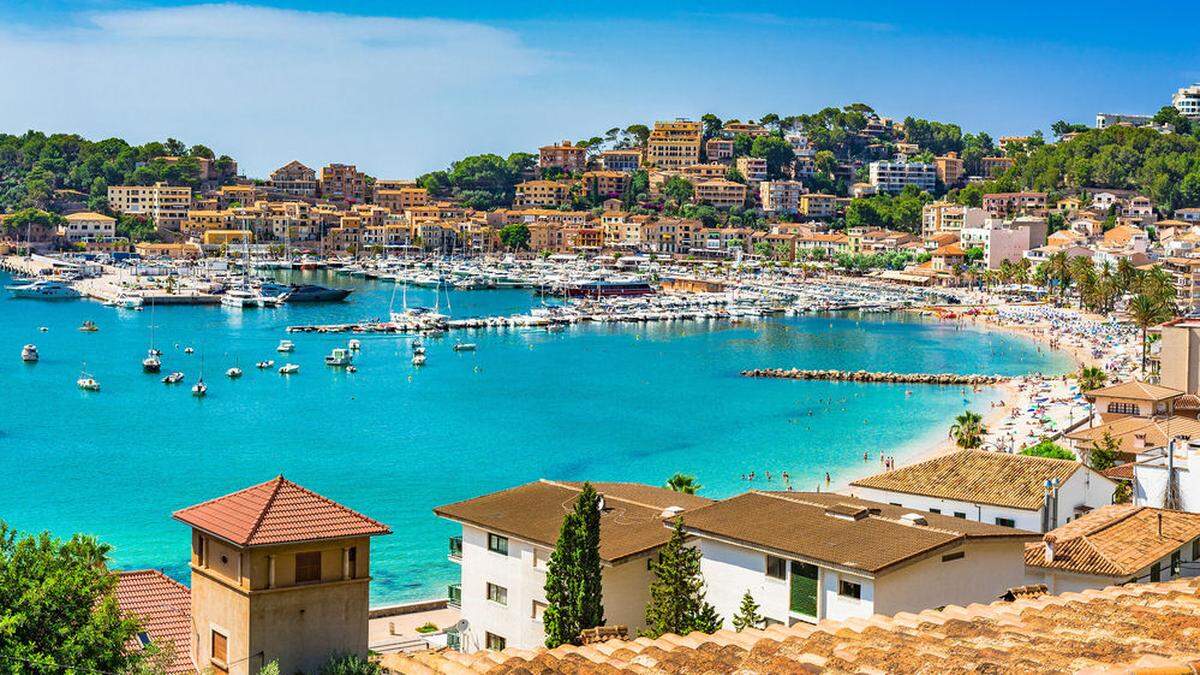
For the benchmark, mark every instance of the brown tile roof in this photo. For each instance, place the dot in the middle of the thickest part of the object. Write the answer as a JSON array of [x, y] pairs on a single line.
[[631, 523], [835, 529], [163, 607], [976, 476], [1157, 431], [1122, 627], [1134, 389], [1117, 540], [278, 512]]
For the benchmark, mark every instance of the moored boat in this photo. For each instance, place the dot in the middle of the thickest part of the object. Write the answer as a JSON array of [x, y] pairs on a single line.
[[174, 378], [339, 357], [289, 369], [285, 346], [43, 290], [29, 353]]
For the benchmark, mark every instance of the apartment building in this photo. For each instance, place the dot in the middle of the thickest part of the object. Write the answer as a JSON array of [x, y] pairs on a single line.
[[804, 167], [673, 235], [401, 199], [894, 176], [949, 169], [541, 194], [753, 169], [605, 184], [294, 179], [87, 225], [1008, 204], [1005, 240], [627, 159], [719, 149], [1187, 101], [994, 166], [166, 205], [780, 196], [992, 487], [674, 145], [343, 182], [1105, 120], [827, 244], [505, 545], [949, 217], [199, 221], [805, 557], [720, 193], [698, 173], [570, 158], [819, 205], [751, 129], [1185, 274]]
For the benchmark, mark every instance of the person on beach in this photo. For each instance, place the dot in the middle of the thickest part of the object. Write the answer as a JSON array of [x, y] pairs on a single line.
[[827, 479]]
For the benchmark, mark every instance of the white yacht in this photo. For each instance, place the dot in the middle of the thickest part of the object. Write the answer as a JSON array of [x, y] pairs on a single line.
[[151, 364], [286, 346], [289, 369], [240, 298], [464, 347], [86, 382], [29, 353], [44, 290], [339, 357], [129, 301], [174, 378], [233, 373], [418, 359], [200, 389]]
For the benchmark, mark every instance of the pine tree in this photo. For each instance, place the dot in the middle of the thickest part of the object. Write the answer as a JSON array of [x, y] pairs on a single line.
[[574, 599], [747, 616], [677, 603]]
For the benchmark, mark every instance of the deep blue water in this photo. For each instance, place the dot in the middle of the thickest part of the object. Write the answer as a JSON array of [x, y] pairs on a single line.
[[630, 403]]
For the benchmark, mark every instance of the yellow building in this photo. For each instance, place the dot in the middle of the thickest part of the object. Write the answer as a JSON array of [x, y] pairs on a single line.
[[605, 184], [401, 199], [200, 221], [227, 237], [343, 182], [569, 158], [674, 145], [721, 193], [166, 205], [949, 169], [698, 173], [541, 193], [819, 205]]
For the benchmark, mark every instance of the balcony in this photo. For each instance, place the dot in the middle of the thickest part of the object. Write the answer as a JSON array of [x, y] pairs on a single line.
[[456, 548], [454, 595]]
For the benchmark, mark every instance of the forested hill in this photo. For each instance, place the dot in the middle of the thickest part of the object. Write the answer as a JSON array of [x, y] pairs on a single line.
[[34, 165]]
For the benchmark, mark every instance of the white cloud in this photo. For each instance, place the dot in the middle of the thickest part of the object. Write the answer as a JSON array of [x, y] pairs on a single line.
[[269, 85]]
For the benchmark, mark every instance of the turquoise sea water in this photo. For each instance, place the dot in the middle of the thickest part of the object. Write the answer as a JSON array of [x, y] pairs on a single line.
[[628, 402]]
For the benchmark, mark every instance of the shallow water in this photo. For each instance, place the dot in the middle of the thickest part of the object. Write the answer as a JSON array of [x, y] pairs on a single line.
[[625, 402]]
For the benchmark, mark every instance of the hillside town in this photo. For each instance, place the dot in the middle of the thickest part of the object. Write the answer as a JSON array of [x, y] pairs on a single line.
[[1057, 532]]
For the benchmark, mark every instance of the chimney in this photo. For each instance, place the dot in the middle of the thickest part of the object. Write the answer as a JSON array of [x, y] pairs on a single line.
[[1139, 441], [1049, 540]]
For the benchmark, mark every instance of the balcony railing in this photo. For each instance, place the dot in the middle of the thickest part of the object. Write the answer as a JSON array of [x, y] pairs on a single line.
[[456, 548], [454, 595]]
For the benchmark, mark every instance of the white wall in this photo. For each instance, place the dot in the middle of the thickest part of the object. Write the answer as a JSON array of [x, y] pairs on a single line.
[[840, 607], [987, 569], [730, 571]]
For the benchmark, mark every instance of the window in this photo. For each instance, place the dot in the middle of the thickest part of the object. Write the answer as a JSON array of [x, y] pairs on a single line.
[[895, 503], [960, 514], [1196, 549], [776, 567], [540, 558], [1006, 522], [539, 608], [1155, 573], [308, 567], [143, 639], [494, 642], [1176, 563], [1123, 408], [950, 557], [352, 554], [497, 594], [935, 510], [497, 544], [849, 589], [220, 653]]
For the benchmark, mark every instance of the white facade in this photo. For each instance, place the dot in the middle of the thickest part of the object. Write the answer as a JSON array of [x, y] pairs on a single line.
[[780, 196], [894, 176], [1187, 101], [521, 574], [1082, 491], [983, 571], [1001, 241], [87, 225], [1150, 478]]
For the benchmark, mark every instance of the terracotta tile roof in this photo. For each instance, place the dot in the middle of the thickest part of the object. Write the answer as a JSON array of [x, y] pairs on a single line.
[[631, 523], [1135, 389], [1119, 472], [1123, 628], [1117, 540], [835, 529], [976, 476], [278, 512], [949, 249], [163, 606], [1157, 432]]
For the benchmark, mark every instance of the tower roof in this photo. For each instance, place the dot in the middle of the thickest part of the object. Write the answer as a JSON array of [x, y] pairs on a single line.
[[278, 512]]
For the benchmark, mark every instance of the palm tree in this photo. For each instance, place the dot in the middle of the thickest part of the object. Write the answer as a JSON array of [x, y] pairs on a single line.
[[1021, 271], [1089, 378], [1145, 311], [968, 430], [1058, 268], [1083, 273], [681, 482]]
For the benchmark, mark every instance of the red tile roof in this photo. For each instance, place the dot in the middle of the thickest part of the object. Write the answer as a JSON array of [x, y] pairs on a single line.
[[278, 512], [163, 606]]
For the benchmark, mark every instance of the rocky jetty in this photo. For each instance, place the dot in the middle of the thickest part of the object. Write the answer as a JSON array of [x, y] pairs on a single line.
[[868, 376]]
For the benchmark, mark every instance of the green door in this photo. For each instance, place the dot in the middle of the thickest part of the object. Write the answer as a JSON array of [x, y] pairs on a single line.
[[804, 589]]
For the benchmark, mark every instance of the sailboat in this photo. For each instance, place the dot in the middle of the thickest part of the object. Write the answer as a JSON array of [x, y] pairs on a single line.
[[86, 382], [422, 315], [200, 389], [151, 364]]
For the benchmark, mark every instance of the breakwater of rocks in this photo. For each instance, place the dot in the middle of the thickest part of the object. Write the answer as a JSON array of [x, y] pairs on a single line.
[[868, 376]]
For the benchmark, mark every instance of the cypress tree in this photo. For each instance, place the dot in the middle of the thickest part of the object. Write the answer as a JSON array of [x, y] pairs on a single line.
[[574, 599], [677, 603], [747, 616]]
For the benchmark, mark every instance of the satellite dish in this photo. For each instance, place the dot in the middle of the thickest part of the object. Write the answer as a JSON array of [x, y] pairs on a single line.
[[462, 625]]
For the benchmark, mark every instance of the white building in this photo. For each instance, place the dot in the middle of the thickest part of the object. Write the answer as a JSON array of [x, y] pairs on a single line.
[[1005, 240], [807, 556], [1187, 101], [1114, 545], [1150, 476], [888, 176], [507, 539], [88, 225], [992, 487], [949, 217], [780, 196], [1105, 120]]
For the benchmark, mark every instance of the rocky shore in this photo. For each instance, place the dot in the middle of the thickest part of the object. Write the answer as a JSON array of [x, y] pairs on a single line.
[[868, 376]]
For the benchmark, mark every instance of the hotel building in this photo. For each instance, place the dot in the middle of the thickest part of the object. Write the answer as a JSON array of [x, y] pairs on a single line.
[[166, 205], [674, 145]]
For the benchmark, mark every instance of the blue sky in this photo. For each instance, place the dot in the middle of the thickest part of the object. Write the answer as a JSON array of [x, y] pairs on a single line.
[[402, 88]]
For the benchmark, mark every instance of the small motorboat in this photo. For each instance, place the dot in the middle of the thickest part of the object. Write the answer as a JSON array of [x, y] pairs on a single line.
[[188, 350], [262, 365], [174, 378], [351, 369], [89, 326], [339, 357], [29, 353], [199, 389], [418, 349], [285, 346], [151, 364], [233, 373], [464, 347], [289, 369], [43, 329], [87, 383], [355, 345], [418, 359]]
